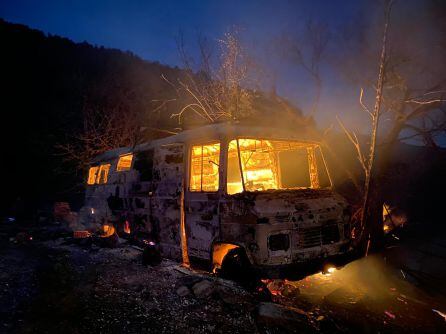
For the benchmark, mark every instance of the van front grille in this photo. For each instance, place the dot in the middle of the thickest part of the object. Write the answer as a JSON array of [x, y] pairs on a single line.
[[285, 218], [318, 235]]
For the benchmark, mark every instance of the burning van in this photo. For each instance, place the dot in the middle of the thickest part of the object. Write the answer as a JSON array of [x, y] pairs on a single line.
[[219, 192]]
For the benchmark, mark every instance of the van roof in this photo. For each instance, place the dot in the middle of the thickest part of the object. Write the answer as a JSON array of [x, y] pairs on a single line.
[[217, 131]]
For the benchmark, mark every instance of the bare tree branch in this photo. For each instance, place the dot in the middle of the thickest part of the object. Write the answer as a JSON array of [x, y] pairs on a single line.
[[354, 140], [213, 94], [364, 107]]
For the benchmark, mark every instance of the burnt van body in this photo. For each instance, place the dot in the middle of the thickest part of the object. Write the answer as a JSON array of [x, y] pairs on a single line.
[[204, 192]]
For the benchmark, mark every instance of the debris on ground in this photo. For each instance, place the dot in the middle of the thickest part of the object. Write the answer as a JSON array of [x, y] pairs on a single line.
[[283, 317], [90, 287]]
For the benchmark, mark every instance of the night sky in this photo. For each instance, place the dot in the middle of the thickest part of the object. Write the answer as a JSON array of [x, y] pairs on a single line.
[[149, 29]]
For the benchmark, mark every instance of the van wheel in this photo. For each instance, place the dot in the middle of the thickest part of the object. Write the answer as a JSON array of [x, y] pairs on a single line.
[[236, 267]]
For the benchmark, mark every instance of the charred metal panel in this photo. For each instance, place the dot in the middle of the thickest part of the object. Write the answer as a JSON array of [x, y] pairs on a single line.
[[202, 223], [165, 200], [275, 227], [116, 200], [311, 221], [279, 242]]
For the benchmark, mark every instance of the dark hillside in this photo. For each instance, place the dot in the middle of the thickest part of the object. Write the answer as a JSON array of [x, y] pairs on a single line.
[[48, 81]]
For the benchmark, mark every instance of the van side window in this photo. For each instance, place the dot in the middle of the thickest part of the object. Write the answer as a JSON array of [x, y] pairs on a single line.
[[144, 165], [204, 167], [98, 174], [92, 173], [103, 174], [124, 163]]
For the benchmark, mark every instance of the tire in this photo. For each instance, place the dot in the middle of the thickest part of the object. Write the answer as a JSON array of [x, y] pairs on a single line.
[[236, 267]]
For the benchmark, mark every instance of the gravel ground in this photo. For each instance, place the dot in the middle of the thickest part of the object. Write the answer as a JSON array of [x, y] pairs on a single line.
[[53, 285]]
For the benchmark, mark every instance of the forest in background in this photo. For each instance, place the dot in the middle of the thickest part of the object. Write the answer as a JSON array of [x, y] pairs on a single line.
[[50, 83]]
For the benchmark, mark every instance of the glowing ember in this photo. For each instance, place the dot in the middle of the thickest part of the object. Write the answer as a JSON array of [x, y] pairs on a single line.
[[328, 270], [81, 234], [331, 270], [275, 287], [108, 231], [127, 227], [390, 314]]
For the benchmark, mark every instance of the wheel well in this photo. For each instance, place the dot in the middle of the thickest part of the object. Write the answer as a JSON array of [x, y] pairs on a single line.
[[219, 251]]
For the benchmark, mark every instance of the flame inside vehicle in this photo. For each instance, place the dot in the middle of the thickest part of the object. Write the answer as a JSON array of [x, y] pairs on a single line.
[[107, 231], [267, 165], [127, 227]]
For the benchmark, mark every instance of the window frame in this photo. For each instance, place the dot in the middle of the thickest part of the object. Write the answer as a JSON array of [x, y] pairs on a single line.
[[307, 144], [189, 169], [106, 167], [97, 177], [131, 162], [96, 171]]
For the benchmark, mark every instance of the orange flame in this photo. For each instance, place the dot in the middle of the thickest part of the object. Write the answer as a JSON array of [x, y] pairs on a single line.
[[108, 231], [127, 227]]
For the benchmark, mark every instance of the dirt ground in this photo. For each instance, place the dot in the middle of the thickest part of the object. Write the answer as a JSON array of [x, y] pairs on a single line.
[[51, 284]]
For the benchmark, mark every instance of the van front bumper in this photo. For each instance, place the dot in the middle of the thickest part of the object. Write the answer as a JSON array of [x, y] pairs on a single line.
[[299, 270]]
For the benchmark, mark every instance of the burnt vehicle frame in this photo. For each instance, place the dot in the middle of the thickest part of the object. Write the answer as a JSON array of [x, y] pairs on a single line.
[[200, 218]]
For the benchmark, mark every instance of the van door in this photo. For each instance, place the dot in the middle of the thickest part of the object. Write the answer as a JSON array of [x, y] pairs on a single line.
[[202, 199], [168, 170]]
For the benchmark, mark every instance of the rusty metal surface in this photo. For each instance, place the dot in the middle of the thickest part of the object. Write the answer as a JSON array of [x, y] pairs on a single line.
[[276, 227], [307, 217]]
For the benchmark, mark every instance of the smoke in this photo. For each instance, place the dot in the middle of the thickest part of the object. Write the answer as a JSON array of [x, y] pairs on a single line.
[[369, 282]]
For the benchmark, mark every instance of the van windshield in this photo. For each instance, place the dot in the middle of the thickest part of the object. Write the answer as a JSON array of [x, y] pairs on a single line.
[[274, 165]]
